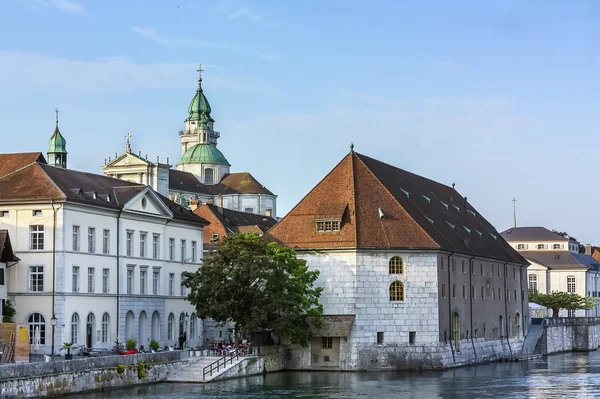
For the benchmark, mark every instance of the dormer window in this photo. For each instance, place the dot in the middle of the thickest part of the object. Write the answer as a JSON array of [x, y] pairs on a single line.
[[521, 246], [328, 218], [556, 246], [541, 246], [327, 226]]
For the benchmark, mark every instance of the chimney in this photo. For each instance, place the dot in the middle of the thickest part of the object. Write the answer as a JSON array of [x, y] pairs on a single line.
[[220, 203], [194, 205], [588, 249]]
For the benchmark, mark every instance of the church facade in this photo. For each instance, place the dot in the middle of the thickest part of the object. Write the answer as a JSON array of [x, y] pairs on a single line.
[[201, 174]]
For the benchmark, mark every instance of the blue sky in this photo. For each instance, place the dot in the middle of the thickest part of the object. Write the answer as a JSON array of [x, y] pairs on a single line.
[[499, 97]]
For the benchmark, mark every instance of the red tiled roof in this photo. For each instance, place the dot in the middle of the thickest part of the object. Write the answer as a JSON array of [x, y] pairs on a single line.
[[418, 213], [12, 162], [232, 183]]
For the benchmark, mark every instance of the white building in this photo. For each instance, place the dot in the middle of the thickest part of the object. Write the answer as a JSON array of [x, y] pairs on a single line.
[[7, 259], [556, 264], [105, 257], [202, 173]]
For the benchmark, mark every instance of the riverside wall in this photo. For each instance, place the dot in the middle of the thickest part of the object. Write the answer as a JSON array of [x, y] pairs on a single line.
[[565, 334], [58, 378]]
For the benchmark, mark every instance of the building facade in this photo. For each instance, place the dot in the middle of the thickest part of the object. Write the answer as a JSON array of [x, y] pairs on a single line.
[[202, 173], [7, 259], [412, 275], [103, 257], [556, 264]]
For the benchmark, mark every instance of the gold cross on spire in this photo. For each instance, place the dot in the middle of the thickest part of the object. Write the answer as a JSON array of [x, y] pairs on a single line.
[[56, 110], [199, 70]]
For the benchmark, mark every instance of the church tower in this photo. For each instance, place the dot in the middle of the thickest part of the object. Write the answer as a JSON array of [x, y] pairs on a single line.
[[200, 155], [57, 148]]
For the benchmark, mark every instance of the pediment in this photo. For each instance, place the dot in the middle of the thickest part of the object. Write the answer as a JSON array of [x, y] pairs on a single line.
[[148, 202], [126, 160]]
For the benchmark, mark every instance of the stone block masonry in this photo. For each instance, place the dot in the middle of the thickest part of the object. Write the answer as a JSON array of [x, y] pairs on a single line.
[[564, 334]]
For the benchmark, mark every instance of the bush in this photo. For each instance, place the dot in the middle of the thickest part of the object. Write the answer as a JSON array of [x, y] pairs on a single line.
[[154, 345], [8, 312], [131, 343]]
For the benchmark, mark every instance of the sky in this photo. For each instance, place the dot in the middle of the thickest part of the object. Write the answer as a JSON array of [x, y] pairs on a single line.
[[500, 98]]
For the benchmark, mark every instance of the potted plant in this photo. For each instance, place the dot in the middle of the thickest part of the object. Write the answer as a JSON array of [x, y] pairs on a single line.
[[68, 346], [154, 345]]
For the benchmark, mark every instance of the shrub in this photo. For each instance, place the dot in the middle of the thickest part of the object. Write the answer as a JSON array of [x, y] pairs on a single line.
[[131, 343], [8, 312], [154, 345], [121, 368]]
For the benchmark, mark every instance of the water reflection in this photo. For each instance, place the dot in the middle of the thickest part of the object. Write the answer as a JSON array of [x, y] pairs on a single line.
[[574, 375]]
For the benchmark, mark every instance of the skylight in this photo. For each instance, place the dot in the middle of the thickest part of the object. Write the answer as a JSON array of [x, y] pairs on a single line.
[[443, 203], [427, 198], [430, 220], [479, 232], [405, 192], [457, 208], [468, 229], [493, 236], [471, 212], [451, 225]]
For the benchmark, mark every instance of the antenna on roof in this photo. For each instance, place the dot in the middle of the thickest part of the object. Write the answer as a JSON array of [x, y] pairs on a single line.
[[514, 201]]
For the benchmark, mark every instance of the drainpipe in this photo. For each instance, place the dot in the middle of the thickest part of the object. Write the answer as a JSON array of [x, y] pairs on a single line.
[[507, 329], [54, 211], [450, 308], [118, 271], [472, 289], [524, 329]]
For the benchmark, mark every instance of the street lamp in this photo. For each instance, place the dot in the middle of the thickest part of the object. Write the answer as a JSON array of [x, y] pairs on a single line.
[[53, 322]]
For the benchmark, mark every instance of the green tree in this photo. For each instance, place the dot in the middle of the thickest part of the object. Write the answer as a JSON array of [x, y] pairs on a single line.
[[558, 300], [8, 312], [259, 286]]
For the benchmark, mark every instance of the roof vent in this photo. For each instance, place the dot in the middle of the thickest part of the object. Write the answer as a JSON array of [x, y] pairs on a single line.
[[556, 256], [380, 212]]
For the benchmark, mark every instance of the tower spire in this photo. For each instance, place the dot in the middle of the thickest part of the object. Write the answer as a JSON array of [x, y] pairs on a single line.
[[57, 147], [127, 144], [514, 201]]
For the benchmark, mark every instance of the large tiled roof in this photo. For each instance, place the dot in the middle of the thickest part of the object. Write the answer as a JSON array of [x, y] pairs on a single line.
[[39, 181], [562, 259], [417, 213], [531, 234], [12, 162], [232, 183]]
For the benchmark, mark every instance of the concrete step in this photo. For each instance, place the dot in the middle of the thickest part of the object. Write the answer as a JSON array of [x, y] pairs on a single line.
[[193, 370]]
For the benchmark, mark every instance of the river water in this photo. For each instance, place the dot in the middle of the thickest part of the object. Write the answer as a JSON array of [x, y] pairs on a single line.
[[570, 375]]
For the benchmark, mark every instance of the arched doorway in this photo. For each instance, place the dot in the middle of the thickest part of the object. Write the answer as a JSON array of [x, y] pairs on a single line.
[[518, 325], [128, 325], [155, 333], [181, 324], [501, 327], [90, 327], [37, 321], [143, 336], [456, 330]]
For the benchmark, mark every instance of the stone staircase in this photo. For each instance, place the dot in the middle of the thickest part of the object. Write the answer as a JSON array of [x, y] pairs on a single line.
[[192, 369], [535, 333]]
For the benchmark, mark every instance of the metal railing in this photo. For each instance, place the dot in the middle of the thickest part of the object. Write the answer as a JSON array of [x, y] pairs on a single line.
[[221, 363]]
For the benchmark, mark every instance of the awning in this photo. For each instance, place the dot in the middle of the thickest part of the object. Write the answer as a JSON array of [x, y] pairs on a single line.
[[335, 326]]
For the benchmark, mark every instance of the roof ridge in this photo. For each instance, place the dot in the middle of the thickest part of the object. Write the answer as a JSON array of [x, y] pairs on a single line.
[[64, 195], [353, 198], [18, 170], [399, 204]]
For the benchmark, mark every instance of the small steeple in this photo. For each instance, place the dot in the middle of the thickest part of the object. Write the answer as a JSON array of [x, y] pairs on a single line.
[[127, 144], [57, 147], [199, 109]]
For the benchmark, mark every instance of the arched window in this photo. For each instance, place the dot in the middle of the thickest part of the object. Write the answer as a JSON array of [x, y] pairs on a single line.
[[155, 326], [105, 320], [193, 326], [129, 324], [570, 283], [396, 291], [209, 176], [36, 320], [90, 329], [181, 323], [170, 327], [456, 330], [74, 328], [396, 265], [518, 325]]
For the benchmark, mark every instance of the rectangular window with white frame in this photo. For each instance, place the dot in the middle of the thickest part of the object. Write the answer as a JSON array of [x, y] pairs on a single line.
[[91, 280], [106, 241], [571, 284], [171, 284], [130, 271], [143, 274], [183, 288], [143, 236], [156, 246], [533, 283], [75, 282], [36, 234], [194, 251], [171, 249], [36, 278], [105, 280], [76, 239], [183, 245], [129, 242], [156, 282], [91, 240]]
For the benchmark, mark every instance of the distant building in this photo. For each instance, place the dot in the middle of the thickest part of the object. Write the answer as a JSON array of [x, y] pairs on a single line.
[[202, 173], [412, 274], [556, 264]]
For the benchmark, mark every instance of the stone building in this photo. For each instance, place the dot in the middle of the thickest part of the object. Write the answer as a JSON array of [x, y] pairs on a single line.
[[202, 173], [556, 264], [413, 276], [102, 257]]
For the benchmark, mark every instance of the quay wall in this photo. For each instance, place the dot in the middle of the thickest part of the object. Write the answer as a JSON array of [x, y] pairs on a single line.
[[565, 334]]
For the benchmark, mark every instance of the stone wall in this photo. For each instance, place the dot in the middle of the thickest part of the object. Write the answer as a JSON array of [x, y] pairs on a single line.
[[565, 334], [90, 374]]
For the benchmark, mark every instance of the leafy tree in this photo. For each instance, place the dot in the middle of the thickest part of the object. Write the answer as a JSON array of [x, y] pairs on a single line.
[[558, 300], [8, 312], [259, 286]]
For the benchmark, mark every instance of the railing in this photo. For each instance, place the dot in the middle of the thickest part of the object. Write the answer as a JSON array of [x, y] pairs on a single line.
[[221, 363]]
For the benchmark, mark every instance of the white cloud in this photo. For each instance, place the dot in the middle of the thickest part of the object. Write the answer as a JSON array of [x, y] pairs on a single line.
[[245, 13], [69, 6], [166, 41]]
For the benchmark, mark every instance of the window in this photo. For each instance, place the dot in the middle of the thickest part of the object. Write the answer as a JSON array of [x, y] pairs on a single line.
[[249, 210], [570, 283], [412, 337], [155, 281], [556, 246], [453, 290], [516, 295], [36, 278], [130, 281], [105, 320], [380, 337], [91, 280], [456, 330], [129, 242], [326, 342], [209, 176], [269, 212], [36, 234], [91, 240], [396, 265], [464, 291], [515, 273], [463, 266], [183, 245], [442, 264], [4, 214], [105, 241], [183, 292], [453, 265], [570, 313], [76, 238], [171, 283], [521, 246], [74, 328], [171, 249], [75, 279], [482, 292], [37, 212], [143, 236], [507, 294], [37, 321], [193, 326], [541, 246], [396, 291], [105, 279], [499, 294], [170, 327], [473, 291], [443, 290], [481, 267], [181, 323], [194, 250], [328, 226], [156, 246], [1, 283], [143, 274]]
